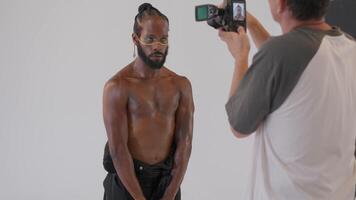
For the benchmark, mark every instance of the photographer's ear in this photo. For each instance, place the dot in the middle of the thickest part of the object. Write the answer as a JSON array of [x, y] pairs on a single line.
[[281, 6]]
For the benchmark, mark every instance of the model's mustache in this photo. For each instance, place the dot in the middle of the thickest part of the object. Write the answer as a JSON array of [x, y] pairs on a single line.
[[157, 54]]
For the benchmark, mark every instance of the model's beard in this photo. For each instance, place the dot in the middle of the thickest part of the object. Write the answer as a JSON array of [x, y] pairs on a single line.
[[151, 63]]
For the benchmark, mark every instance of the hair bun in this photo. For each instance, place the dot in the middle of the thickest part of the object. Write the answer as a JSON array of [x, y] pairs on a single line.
[[144, 6]]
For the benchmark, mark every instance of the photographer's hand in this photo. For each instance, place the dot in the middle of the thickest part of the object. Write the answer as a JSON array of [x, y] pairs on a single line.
[[239, 47], [258, 33], [237, 43]]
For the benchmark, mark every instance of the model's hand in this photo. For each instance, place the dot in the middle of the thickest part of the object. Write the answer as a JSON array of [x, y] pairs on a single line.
[[237, 43], [165, 197]]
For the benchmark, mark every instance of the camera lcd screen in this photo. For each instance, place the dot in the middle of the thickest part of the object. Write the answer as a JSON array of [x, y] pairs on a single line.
[[239, 11], [201, 13]]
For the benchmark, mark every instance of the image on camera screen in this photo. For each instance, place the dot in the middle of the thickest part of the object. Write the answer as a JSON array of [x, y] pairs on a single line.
[[239, 11]]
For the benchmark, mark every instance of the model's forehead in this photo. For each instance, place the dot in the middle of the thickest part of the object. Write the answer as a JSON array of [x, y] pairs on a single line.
[[154, 25]]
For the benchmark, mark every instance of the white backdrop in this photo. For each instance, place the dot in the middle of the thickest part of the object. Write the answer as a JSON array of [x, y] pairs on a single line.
[[55, 57]]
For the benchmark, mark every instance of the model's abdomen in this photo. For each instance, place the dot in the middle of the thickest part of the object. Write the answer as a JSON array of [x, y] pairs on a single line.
[[151, 137]]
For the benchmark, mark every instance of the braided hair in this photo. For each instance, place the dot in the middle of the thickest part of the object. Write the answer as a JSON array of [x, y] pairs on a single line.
[[145, 10]]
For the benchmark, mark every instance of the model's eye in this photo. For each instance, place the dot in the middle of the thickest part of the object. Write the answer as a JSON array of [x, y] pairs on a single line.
[[149, 40], [164, 41]]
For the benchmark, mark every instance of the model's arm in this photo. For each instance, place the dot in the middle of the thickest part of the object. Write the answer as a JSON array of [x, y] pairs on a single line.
[[183, 138], [258, 33], [115, 118]]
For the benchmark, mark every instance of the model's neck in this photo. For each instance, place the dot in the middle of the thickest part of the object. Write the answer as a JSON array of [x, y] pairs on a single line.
[[143, 70]]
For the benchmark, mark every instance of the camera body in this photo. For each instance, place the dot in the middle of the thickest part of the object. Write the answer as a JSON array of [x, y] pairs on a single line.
[[229, 18]]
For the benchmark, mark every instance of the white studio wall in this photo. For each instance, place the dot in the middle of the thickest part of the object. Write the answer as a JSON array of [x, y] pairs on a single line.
[[55, 57]]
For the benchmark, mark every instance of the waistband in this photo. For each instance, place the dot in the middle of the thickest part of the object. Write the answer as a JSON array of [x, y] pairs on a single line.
[[161, 168], [164, 166]]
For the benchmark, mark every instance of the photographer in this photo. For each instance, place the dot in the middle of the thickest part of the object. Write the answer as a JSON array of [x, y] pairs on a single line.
[[299, 97]]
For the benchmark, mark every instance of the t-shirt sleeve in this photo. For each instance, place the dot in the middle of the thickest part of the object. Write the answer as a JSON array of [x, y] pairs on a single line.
[[254, 96], [274, 73]]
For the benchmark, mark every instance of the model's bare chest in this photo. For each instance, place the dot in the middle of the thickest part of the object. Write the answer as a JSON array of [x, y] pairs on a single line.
[[152, 97]]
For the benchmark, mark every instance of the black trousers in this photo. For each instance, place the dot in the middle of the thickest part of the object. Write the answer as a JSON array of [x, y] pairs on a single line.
[[153, 179]]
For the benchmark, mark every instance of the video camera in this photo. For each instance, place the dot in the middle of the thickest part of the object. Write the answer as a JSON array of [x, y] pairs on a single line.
[[229, 18]]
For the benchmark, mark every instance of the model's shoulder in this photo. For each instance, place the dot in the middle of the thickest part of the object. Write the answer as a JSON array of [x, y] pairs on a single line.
[[119, 81], [175, 76], [183, 80], [165, 72], [183, 83], [124, 73]]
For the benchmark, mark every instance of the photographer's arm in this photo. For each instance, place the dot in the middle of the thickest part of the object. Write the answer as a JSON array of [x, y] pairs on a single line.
[[240, 69], [258, 33], [239, 48]]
